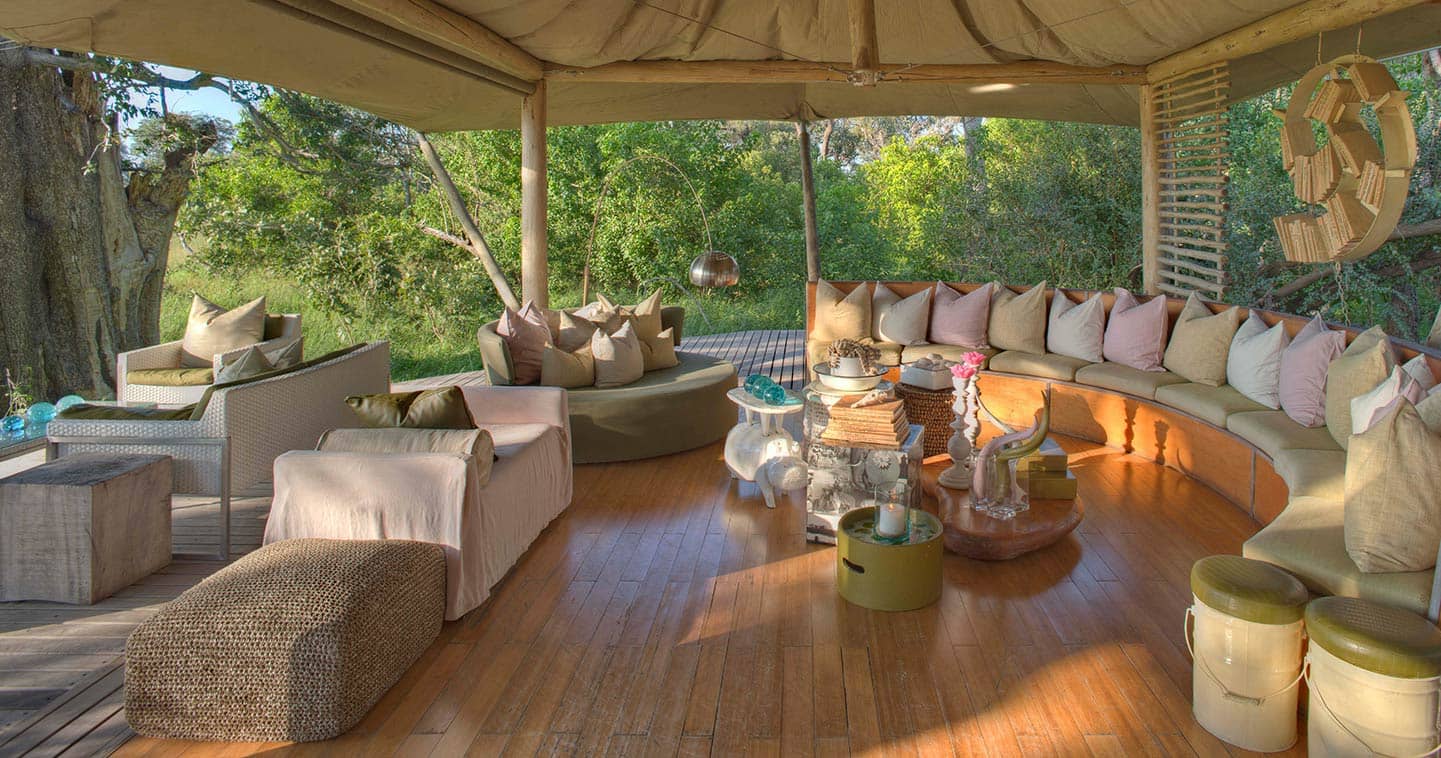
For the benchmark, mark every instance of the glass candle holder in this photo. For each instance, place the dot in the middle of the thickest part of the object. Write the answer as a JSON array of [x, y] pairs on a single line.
[[893, 513]]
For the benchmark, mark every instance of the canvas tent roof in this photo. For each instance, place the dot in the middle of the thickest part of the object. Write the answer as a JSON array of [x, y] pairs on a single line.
[[352, 51]]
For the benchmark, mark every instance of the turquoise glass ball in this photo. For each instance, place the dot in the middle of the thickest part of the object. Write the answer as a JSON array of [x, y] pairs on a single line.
[[41, 413], [67, 401], [12, 425]]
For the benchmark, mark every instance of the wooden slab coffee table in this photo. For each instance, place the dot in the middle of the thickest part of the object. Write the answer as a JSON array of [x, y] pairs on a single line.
[[976, 535]]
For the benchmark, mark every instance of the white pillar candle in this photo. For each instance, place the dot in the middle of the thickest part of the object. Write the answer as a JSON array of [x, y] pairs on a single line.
[[890, 520]]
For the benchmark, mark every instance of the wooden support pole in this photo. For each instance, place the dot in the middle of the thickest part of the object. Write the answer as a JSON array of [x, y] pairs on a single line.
[[534, 268], [1297, 22], [1150, 193], [808, 195], [865, 52]]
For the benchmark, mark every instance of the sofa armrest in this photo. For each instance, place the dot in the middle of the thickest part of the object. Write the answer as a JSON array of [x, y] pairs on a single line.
[[164, 355], [499, 368], [673, 317]]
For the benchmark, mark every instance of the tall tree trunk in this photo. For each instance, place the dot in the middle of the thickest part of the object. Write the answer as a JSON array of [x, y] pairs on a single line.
[[82, 254], [808, 204]]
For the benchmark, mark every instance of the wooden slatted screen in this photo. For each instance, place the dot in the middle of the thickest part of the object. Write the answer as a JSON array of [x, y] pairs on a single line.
[[1193, 143]]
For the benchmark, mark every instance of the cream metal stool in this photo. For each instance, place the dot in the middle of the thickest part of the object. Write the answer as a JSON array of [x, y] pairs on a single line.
[[1374, 672], [1246, 645]]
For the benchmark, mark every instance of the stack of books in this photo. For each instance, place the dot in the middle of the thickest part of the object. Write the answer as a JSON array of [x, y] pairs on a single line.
[[880, 425], [1302, 239], [1331, 100], [1045, 474]]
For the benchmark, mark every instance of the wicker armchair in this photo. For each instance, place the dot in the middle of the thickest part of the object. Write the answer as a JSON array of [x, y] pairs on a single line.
[[280, 331], [231, 441]]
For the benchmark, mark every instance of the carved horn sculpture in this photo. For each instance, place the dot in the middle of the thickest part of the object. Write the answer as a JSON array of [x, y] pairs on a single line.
[[991, 480]]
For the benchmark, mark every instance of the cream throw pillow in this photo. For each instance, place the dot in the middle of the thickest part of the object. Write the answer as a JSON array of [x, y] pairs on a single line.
[[1363, 365], [212, 329], [1420, 370], [1076, 329], [1392, 513], [618, 357], [1200, 342], [1367, 408], [1018, 322], [566, 368], [659, 353], [1253, 363], [902, 320], [841, 316], [646, 316]]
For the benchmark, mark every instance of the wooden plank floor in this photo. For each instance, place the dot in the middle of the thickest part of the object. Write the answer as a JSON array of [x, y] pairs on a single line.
[[668, 612]]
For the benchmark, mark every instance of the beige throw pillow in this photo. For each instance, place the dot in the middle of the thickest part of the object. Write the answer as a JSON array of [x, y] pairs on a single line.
[[1200, 342], [1253, 362], [1363, 365], [212, 329], [1018, 322], [567, 368], [646, 316], [250, 363], [573, 332], [618, 357], [841, 316], [1392, 513], [1420, 370], [902, 320], [1076, 329], [659, 353]]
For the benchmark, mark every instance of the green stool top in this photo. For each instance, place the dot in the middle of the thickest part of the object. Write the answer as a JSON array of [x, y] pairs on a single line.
[[1249, 590], [1379, 638]]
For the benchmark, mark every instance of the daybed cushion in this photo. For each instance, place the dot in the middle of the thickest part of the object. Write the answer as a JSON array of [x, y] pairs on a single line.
[[1018, 322], [1313, 473], [1274, 431], [1307, 540], [949, 352], [1211, 404], [665, 411], [171, 377], [1121, 378], [1048, 366]]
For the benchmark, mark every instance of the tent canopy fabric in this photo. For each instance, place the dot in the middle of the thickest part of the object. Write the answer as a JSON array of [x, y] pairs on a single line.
[[316, 46]]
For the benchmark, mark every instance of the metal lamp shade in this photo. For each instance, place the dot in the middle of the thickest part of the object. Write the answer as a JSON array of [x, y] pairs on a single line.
[[714, 269]]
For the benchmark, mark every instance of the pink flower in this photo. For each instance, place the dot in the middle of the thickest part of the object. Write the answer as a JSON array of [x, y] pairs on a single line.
[[974, 358], [964, 371]]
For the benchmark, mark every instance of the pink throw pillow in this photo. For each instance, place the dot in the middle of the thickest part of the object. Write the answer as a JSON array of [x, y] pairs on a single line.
[[1136, 332], [1303, 372], [527, 335], [958, 319]]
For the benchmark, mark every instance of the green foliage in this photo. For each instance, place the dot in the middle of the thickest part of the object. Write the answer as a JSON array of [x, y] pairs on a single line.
[[330, 207]]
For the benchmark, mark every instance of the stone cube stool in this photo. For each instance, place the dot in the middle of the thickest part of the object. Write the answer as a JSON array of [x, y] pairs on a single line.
[[295, 641]]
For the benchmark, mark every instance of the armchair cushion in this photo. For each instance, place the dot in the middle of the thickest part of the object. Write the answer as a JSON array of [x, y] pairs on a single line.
[[250, 363], [89, 412], [171, 377], [439, 408], [212, 329]]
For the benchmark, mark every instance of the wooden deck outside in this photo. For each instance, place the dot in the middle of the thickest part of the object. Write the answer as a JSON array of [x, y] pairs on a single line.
[[669, 612]]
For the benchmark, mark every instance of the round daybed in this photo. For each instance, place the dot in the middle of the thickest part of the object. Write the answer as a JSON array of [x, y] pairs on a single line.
[[667, 411], [1289, 478]]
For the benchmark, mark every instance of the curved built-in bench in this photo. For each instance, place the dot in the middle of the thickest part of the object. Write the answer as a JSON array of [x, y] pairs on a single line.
[[666, 411], [1289, 478]]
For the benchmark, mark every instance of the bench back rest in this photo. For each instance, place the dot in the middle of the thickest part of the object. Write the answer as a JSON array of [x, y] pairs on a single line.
[[1405, 349]]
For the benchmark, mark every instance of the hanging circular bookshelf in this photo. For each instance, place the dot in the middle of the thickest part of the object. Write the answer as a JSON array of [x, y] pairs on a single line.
[[1360, 186]]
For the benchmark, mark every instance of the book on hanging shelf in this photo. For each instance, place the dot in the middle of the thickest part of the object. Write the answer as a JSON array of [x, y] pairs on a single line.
[[1331, 99], [1354, 145], [1371, 186]]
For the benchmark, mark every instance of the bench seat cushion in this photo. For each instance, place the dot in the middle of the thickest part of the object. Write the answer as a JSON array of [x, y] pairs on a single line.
[[295, 641], [1313, 473], [816, 351], [1274, 431], [1211, 404], [949, 352], [1122, 378], [1048, 366], [1307, 540]]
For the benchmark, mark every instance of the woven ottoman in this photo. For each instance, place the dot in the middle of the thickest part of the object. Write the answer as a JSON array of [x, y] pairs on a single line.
[[295, 641]]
